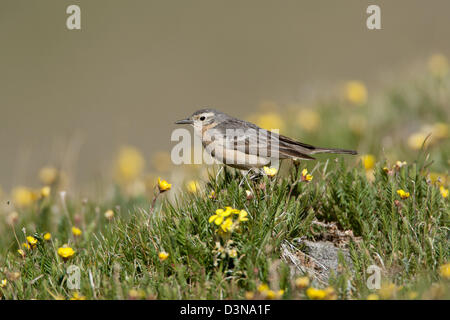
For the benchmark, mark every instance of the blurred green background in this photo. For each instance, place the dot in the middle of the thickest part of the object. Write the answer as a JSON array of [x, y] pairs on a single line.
[[74, 97]]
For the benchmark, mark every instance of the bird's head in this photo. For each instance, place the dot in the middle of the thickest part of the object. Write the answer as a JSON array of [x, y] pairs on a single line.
[[203, 117]]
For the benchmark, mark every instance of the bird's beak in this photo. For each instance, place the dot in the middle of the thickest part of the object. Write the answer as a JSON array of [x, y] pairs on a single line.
[[185, 121]]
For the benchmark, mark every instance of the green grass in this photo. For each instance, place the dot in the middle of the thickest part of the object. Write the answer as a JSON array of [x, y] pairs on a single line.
[[118, 258]]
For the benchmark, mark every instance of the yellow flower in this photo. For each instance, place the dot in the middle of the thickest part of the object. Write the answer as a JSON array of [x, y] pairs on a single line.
[[3, 283], [48, 175], [77, 296], [163, 185], [413, 295], [129, 164], [399, 164], [356, 92], [263, 287], [387, 290], [221, 214], [403, 194], [315, 294], [440, 130], [212, 195], [416, 140], [21, 252], [308, 119], [65, 252], [270, 121], [227, 225], [249, 295], [26, 245], [439, 179], [232, 253], [368, 161], [443, 191], [302, 282], [243, 216], [438, 65], [330, 294], [134, 294], [45, 192], [32, 241], [306, 176], [23, 197], [76, 231], [47, 236], [373, 296], [444, 270], [192, 186], [163, 255], [270, 171], [109, 214]]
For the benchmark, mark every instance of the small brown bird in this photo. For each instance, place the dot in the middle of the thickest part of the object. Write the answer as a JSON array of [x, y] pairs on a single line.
[[244, 145]]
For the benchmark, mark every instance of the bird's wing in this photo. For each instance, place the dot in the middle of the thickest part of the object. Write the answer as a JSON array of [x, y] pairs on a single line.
[[251, 139]]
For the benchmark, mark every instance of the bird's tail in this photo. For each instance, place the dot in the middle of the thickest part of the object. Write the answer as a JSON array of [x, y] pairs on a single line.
[[329, 150]]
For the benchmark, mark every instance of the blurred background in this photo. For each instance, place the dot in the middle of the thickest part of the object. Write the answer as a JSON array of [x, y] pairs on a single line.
[[73, 99]]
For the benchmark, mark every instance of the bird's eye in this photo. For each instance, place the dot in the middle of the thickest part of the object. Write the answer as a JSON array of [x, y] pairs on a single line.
[[202, 118]]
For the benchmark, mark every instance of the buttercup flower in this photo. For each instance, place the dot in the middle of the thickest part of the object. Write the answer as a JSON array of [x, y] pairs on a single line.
[[221, 214], [48, 175], [399, 164], [45, 192], [32, 241], [416, 140], [302, 282], [368, 161], [270, 121], [65, 252], [76, 231], [263, 287], [403, 194], [444, 270], [315, 294], [306, 176], [47, 236], [192, 186], [163, 255], [270, 171], [163, 185], [243, 216], [308, 119], [23, 197], [109, 214], [129, 164], [227, 225], [77, 296], [249, 295], [232, 253], [438, 65], [388, 290], [443, 191], [356, 92]]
